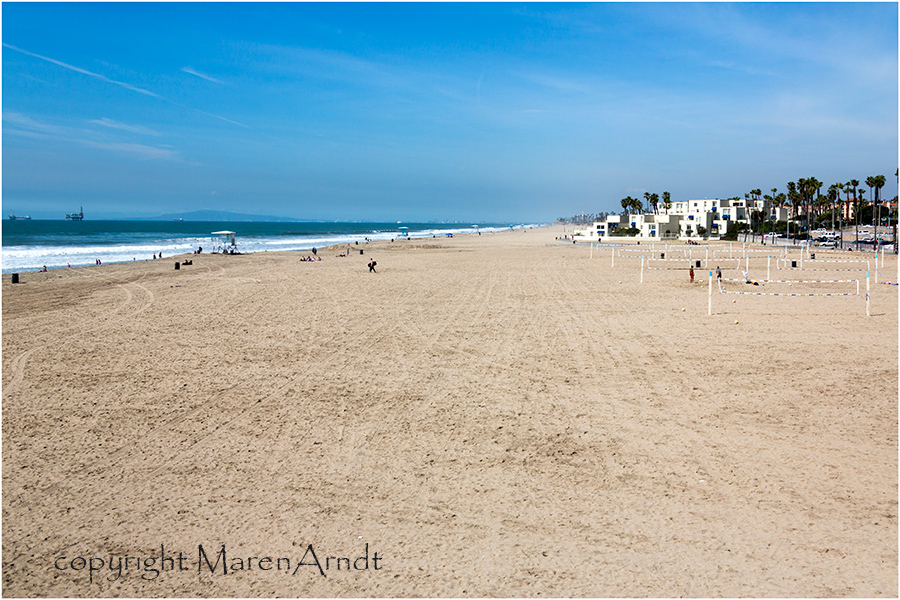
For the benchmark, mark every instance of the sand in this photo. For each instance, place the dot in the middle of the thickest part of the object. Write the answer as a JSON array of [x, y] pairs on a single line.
[[494, 415]]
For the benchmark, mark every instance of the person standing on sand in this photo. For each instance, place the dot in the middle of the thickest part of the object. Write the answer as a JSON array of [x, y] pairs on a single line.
[[372, 264], [718, 273], [692, 274]]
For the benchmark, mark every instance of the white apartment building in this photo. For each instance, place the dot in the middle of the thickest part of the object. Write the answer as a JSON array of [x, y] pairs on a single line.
[[682, 220]]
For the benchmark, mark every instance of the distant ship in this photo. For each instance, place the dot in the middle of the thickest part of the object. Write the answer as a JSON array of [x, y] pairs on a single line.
[[13, 217], [79, 216]]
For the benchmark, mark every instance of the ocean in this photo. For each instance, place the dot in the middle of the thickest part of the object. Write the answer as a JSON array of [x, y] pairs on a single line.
[[31, 245]]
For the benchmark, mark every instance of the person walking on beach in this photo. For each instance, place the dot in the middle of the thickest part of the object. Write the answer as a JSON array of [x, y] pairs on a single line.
[[718, 273], [372, 264], [692, 274]]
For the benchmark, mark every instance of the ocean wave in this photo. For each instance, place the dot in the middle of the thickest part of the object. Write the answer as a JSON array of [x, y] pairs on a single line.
[[34, 257]]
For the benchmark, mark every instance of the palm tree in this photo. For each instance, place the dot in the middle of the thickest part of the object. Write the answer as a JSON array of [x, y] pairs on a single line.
[[637, 206], [667, 201], [821, 205], [775, 203], [877, 182], [847, 191], [814, 185], [838, 188], [627, 202], [870, 181], [792, 199], [801, 193], [854, 183]]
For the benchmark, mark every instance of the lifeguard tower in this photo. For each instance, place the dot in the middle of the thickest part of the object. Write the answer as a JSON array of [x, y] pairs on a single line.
[[404, 231], [224, 242]]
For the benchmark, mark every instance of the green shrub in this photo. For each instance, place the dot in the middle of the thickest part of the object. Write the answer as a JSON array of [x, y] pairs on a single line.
[[627, 231]]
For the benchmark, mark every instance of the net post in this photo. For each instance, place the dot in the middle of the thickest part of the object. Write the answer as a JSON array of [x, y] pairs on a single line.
[[868, 294]]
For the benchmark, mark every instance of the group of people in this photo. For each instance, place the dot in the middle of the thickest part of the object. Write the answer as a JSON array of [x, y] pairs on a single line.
[[718, 273], [310, 258]]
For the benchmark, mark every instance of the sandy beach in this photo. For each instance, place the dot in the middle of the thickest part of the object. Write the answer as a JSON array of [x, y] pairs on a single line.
[[504, 414]]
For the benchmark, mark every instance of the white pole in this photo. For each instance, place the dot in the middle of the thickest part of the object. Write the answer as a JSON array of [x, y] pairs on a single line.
[[690, 253], [613, 256], [867, 294], [592, 249], [642, 268], [709, 301], [769, 268], [747, 263], [876, 269], [801, 255], [707, 253]]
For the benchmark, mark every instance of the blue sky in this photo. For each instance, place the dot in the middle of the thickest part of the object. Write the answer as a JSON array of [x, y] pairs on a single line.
[[484, 112]]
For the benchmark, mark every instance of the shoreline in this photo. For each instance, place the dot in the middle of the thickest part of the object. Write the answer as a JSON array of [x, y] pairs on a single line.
[[251, 241]]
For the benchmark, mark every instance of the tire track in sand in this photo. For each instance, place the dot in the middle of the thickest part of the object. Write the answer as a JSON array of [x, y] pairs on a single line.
[[18, 364]]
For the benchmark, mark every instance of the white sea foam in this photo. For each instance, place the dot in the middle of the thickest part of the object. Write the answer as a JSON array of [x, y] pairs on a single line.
[[33, 258]]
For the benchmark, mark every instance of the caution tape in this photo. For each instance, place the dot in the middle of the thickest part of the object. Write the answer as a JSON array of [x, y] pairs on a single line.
[[829, 270], [788, 293]]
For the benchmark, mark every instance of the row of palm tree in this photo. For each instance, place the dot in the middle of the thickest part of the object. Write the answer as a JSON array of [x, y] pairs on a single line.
[[634, 205], [803, 195]]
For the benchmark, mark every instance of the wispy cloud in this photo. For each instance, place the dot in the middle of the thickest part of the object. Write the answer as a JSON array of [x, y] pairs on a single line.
[[82, 71], [331, 65], [191, 71], [123, 127], [18, 123], [143, 151], [222, 119], [121, 84], [556, 83], [23, 125]]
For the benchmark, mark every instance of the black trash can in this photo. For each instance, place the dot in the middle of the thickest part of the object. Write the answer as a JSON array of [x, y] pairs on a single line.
[[177, 266], [698, 264], [15, 278], [662, 254], [360, 251], [812, 256], [793, 264]]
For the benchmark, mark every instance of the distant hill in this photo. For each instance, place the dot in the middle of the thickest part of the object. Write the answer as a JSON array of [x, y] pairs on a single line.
[[218, 215]]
